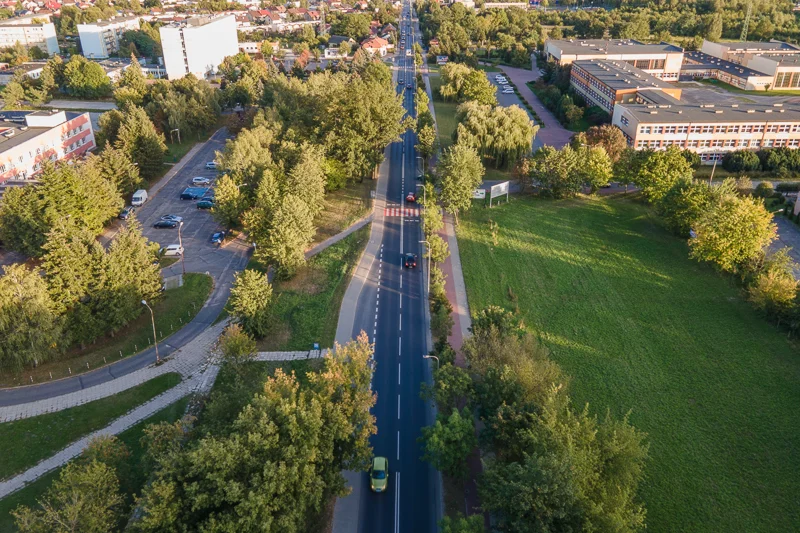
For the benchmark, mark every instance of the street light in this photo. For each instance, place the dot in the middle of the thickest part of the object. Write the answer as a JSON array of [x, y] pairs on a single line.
[[180, 243], [153, 320], [424, 194], [429, 264], [432, 357]]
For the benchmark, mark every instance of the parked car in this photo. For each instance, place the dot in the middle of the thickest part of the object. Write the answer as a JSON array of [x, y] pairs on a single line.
[[379, 474], [211, 165], [172, 250], [174, 218], [205, 203], [161, 224], [410, 261], [200, 180], [411, 197], [125, 213], [218, 237], [194, 193]]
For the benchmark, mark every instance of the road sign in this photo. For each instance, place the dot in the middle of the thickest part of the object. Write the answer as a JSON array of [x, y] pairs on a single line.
[[479, 194]]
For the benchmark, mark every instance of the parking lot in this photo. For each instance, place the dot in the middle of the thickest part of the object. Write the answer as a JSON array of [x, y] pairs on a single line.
[[200, 255], [509, 99]]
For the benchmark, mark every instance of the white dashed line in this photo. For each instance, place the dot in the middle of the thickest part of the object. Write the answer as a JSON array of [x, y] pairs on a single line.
[[398, 373], [400, 346], [398, 407]]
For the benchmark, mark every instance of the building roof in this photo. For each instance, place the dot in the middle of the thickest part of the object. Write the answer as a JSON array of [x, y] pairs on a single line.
[[198, 21], [620, 75], [111, 21], [611, 46], [702, 61], [25, 67], [760, 46], [711, 113], [336, 40], [374, 43], [15, 121], [785, 60]]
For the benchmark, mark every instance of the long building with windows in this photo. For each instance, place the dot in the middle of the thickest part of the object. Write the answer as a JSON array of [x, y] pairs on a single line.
[[660, 60], [101, 39], [28, 139], [710, 130], [30, 31], [607, 83], [198, 45]]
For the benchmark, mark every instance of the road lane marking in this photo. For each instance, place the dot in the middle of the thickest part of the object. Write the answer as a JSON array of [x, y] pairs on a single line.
[[398, 446], [400, 327], [398, 373], [400, 346], [397, 494], [398, 407]]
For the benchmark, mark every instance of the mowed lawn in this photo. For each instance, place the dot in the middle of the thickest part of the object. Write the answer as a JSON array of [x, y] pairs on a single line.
[[638, 326]]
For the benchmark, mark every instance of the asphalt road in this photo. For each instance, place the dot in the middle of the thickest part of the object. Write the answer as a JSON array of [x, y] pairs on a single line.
[[397, 325], [200, 256]]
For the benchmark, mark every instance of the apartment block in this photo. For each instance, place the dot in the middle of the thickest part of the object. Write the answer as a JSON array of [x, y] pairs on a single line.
[[198, 45], [30, 31], [100, 39], [606, 83], [30, 138], [662, 61], [710, 130]]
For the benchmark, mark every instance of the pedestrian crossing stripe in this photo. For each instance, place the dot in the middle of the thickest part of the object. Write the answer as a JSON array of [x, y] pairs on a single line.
[[401, 212]]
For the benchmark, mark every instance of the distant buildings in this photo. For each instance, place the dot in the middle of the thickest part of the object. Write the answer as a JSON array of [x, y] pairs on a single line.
[[30, 31], [101, 39], [30, 138], [198, 45]]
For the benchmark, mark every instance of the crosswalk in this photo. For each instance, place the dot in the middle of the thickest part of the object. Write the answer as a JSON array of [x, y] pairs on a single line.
[[407, 212]]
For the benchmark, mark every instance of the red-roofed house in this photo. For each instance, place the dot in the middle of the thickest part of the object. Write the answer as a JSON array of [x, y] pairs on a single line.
[[376, 45]]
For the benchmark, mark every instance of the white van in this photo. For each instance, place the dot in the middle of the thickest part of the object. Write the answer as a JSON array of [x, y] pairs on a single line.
[[139, 198]]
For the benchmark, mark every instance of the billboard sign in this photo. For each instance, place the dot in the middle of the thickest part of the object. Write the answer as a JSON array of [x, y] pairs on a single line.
[[499, 189], [479, 194], [441, 60]]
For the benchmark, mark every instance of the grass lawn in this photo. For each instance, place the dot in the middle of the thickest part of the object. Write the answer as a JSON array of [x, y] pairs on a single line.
[[733, 89], [172, 311], [131, 437], [306, 307], [639, 326], [343, 207], [445, 115], [28, 441]]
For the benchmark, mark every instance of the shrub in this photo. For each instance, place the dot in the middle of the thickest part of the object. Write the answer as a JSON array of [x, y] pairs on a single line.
[[764, 189], [741, 161], [788, 186]]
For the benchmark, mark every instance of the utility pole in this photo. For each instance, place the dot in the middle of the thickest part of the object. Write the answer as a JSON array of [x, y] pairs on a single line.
[[746, 25]]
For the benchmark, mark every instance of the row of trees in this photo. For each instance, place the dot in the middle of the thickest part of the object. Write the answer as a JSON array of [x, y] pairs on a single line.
[[551, 467], [460, 83], [268, 462], [783, 161]]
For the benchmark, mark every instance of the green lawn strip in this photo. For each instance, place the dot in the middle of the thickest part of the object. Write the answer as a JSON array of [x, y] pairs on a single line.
[[343, 207], [176, 308], [26, 442], [734, 89], [639, 326], [131, 437], [306, 307], [445, 115]]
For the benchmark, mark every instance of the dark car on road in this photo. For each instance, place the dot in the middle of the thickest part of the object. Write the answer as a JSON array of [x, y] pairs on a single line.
[[165, 224], [205, 203], [411, 261], [125, 213], [218, 237], [193, 193]]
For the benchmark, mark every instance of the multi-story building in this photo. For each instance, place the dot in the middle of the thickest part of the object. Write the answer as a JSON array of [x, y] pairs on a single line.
[[30, 138], [30, 31], [100, 39], [606, 83], [743, 51], [660, 60], [711, 130], [198, 45], [32, 70], [700, 65]]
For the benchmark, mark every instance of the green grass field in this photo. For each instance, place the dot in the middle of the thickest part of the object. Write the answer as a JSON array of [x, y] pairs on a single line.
[[306, 307], [175, 308], [733, 89], [28, 441], [639, 326], [131, 437]]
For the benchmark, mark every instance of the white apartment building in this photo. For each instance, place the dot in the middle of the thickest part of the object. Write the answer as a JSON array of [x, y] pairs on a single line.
[[30, 138], [101, 39], [660, 60], [30, 31], [198, 45]]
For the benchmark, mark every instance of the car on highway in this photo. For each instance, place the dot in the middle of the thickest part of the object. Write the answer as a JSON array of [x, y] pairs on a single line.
[[409, 86], [200, 180], [205, 203], [410, 261], [174, 218], [411, 197], [211, 165], [379, 474], [162, 224], [172, 250], [218, 237], [127, 212]]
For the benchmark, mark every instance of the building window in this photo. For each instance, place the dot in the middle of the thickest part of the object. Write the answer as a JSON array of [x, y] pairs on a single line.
[[783, 128], [658, 129], [742, 143], [729, 143], [716, 143], [772, 128], [779, 143], [755, 143], [767, 143], [683, 129], [644, 129], [624, 120], [747, 129], [758, 129], [707, 129], [794, 143]]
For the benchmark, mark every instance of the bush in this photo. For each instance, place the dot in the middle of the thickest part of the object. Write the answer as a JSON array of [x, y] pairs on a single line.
[[764, 189], [788, 186], [741, 161]]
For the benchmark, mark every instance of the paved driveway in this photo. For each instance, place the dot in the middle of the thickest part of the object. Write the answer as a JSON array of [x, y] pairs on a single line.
[[509, 99], [553, 134]]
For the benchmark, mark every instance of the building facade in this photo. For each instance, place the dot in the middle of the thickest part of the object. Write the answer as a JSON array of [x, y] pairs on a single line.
[[710, 130], [743, 51], [30, 138], [30, 31], [700, 65], [198, 45], [101, 39], [662, 61], [607, 83]]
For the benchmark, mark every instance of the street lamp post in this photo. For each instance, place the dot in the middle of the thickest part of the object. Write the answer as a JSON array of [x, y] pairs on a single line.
[[432, 357], [424, 194], [429, 264], [180, 243], [153, 320]]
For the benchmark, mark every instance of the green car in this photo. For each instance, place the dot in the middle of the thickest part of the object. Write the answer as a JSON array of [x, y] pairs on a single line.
[[379, 475], [205, 204]]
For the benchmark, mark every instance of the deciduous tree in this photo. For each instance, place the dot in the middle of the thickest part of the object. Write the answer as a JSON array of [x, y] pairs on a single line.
[[449, 441], [250, 302], [460, 173]]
